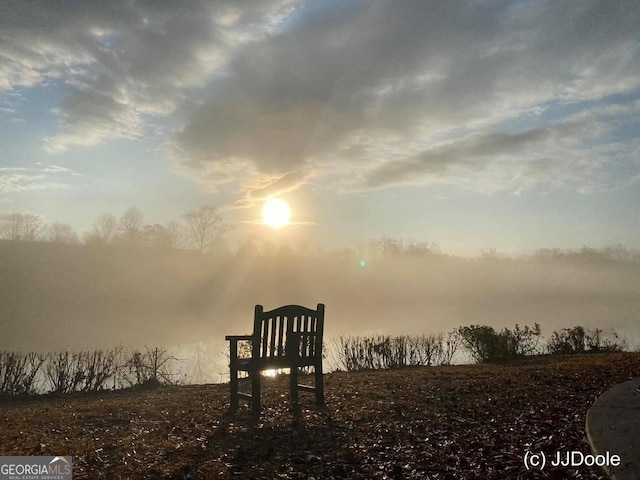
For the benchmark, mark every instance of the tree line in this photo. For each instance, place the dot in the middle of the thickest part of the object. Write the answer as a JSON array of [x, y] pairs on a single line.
[[199, 229], [202, 229]]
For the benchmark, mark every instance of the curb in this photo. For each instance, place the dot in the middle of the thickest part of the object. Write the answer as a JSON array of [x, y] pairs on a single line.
[[613, 426]]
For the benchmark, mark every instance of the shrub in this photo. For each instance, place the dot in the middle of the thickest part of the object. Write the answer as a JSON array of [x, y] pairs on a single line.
[[63, 373], [383, 351], [486, 345], [18, 372], [86, 371], [580, 340], [521, 341], [151, 367], [97, 367]]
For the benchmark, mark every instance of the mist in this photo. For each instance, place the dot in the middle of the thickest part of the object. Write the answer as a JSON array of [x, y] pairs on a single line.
[[83, 297]]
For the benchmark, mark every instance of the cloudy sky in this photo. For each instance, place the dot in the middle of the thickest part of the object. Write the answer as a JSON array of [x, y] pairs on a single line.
[[478, 124]]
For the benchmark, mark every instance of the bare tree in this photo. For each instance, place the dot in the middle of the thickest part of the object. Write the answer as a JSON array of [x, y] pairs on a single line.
[[175, 233], [393, 247], [12, 227], [205, 227], [104, 229], [62, 233], [160, 236], [22, 226], [131, 224], [33, 226], [156, 236]]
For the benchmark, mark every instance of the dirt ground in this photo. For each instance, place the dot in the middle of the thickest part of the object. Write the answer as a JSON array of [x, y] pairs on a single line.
[[456, 422]]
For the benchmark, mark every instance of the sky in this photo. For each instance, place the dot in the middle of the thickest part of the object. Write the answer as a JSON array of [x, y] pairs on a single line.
[[482, 124]]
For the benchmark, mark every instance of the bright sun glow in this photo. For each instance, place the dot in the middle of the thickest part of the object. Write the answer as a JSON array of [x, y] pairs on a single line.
[[276, 213]]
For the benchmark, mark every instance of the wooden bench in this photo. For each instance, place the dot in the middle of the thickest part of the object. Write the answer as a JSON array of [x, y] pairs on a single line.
[[286, 337]]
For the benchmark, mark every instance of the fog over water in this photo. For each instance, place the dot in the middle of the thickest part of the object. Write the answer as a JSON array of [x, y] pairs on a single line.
[[56, 296]]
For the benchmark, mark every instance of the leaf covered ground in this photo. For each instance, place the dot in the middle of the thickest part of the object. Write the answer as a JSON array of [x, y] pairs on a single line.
[[456, 422]]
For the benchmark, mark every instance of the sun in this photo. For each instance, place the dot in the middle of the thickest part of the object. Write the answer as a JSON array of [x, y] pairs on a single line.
[[276, 213]]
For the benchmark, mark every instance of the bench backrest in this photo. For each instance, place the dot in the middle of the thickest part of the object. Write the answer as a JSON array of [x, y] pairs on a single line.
[[272, 329]]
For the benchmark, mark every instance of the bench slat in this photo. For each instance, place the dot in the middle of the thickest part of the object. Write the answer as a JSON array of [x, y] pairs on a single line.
[[272, 341], [281, 335]]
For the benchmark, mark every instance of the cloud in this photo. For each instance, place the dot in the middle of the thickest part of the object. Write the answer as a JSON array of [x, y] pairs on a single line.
[[121, 60], [372, 93], [371, 90], [265, 186], [293, 223], [573, 153], [56, 169], [278, 185], [465, 152], [10, 104], [20, 183], [521, 154], [40, 167], [40, 177]]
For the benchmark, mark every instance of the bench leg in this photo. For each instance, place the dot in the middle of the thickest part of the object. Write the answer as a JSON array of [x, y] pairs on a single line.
[[319, 383], [233, 386], [255, 393], [293, 384]]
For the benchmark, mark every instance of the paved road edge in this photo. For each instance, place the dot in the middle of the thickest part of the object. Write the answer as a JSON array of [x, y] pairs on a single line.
[[613, 425]]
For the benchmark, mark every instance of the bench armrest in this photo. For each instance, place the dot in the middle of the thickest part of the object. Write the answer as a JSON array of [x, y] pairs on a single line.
[[233, 345]]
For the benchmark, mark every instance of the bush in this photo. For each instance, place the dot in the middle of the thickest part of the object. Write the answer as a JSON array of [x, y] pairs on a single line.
[[149, 368], [486, 345], [581, 340], [88, 371], [18, 372], [82, 371], [382, 352], [97, 367]]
